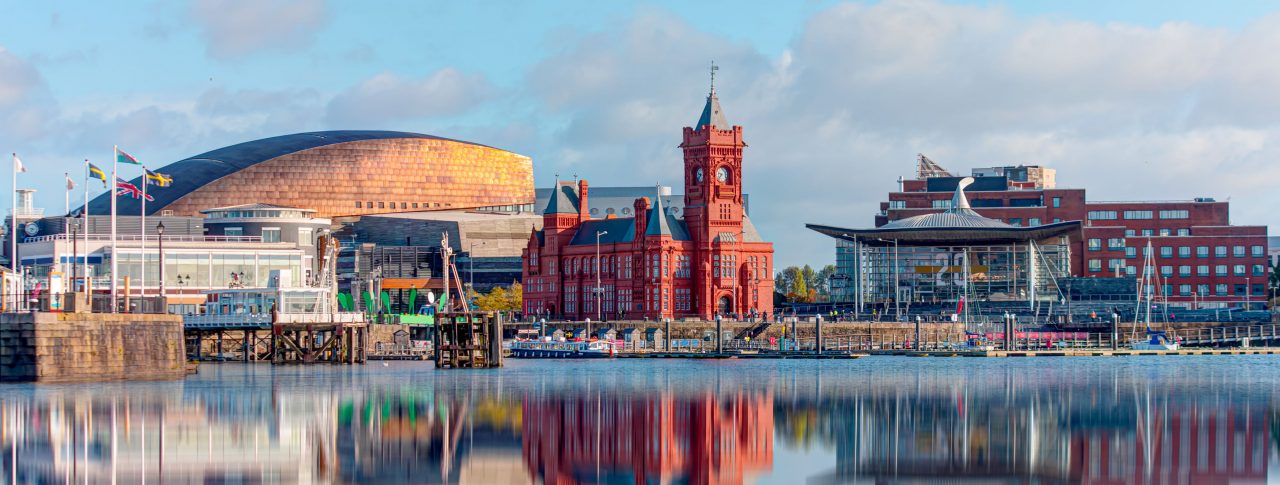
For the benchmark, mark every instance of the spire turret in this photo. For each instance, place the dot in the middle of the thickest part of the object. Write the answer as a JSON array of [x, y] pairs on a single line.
[[711, 113]]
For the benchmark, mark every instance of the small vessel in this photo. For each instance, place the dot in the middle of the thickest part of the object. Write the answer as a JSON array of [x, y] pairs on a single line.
[[548, 349], [1156, 340]]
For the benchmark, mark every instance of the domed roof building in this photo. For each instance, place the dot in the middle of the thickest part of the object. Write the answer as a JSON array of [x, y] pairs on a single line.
[[341, 173]]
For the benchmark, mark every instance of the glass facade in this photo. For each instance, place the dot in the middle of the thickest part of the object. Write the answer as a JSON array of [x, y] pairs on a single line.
[[204, 270]]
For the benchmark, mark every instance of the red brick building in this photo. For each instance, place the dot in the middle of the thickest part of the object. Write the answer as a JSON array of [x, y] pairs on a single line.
[[1201, 259], [708, 261]]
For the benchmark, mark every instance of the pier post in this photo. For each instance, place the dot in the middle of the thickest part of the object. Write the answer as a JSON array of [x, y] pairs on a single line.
[[719, 336], [666, 342], [1115, 331], [818, 338], [916, 344]]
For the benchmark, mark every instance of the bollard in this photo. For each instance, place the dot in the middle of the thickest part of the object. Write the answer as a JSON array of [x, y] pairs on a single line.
[[818, 337], [719, 337], [1115, 331], [667, 333]]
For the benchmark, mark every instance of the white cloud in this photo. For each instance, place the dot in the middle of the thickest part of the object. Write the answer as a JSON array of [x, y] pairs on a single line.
[[389, 98], [1128, 112], [234, 29]]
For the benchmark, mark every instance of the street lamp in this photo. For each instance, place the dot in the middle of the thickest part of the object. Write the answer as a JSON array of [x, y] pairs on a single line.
[[160, 238], [599, 291], [471, 264]]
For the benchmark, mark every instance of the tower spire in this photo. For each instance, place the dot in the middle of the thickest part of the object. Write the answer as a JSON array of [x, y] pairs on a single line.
[[711, 113], [714, 68]]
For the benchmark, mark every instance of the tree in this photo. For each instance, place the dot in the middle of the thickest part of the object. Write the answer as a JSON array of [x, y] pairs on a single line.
[[822, 281], [1274, 278], [799, 289], [500, 299]]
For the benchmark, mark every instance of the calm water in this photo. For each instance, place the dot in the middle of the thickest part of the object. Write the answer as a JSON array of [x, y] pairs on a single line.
[[1110, 420]]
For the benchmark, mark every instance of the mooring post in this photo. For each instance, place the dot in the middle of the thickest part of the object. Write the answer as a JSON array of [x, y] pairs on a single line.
[[666, 340], [818, 338], [719, 336], [916, 344], [1115, 331]]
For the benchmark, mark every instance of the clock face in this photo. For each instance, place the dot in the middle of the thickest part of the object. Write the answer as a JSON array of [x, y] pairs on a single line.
[[722, 174], [697, 175], [32, 229]]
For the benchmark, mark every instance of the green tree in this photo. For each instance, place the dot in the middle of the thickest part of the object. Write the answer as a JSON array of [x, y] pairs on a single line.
[[500, 299], [799, 288]]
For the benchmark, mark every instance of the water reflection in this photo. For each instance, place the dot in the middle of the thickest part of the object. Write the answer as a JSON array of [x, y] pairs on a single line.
[[1046, 420]]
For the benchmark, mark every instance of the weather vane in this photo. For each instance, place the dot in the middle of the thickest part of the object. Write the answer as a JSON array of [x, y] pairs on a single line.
[[714, 68]]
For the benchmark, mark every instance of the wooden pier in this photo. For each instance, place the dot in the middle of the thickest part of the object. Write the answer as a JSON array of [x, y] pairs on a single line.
[[468, 340]]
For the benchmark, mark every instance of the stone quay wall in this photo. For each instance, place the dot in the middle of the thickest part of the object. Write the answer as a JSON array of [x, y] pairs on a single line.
[[71, 347]]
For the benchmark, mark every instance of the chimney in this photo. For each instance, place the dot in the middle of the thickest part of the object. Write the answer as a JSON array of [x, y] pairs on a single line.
[[642, 216], [584, 213]]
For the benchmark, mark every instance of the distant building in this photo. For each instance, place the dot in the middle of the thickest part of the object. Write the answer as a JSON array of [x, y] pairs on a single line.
[[653, 263], [1201, 259]]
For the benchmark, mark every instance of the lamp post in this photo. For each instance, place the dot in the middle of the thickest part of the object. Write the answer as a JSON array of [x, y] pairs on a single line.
[[471, 264], [75, 254], [160, 238], [599, 291]]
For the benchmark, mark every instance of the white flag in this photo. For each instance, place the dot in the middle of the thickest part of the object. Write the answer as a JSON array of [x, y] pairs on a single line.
[[17, 165], [71, 184]]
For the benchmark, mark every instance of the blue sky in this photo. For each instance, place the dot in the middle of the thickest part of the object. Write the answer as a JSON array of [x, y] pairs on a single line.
[[836, 98]]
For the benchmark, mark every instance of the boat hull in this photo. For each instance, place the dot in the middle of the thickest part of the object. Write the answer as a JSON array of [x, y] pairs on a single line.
[[558, 354]]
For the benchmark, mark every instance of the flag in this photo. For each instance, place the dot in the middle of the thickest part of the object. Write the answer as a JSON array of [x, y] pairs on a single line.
[[17, 165], [157, 179], [97, 173], [126, 188], [122, 157], [960, 306], [71, 184]]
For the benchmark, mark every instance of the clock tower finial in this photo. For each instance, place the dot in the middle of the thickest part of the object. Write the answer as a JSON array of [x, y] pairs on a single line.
[[714, 68]]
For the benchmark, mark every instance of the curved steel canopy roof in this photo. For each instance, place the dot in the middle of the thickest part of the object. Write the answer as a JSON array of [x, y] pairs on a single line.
[[195, 172]]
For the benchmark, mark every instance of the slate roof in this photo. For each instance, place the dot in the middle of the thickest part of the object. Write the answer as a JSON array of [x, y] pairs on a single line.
[[712, 114], [563, 201], [620, 230], [192, 173]]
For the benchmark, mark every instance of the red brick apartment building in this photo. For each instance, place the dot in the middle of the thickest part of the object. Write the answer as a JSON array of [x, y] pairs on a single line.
[[1201, 260], [705, 262]]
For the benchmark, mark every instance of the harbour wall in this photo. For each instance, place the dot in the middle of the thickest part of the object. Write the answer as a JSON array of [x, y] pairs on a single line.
[[71, 347]]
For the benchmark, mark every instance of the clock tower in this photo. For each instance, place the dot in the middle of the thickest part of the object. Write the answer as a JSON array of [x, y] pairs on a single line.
[[712, 173]]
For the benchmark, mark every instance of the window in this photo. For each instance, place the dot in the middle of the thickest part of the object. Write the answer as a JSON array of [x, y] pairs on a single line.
[[1115, 243], [1137, 214], [942, 204], [1164, 231], [1184, 232], [1184, 270], [1239, 270], [1057, 220], [1220, 270], [1241, 289], [1202, 270], [1095, 265], [1148, 232], [1166, 271], [1202, 251], [1220, 251], [1257, 289], [1202, 289], [404, 205], [415, 205], [358, 204], [1130, 252], [1220, 289], [1174, 214], [1184, 251], [233, 231], [897, 204], [270, 234], [1115, 263], [1015, 221], [368, 204], [1102, 215], [304, 236], [1034, 221], [1184, 290], [380, 205], [1130, 232], [1259, 251], [1237, 251], [1057, 201], [1259, 270], [1095, 244], [1166, 251]]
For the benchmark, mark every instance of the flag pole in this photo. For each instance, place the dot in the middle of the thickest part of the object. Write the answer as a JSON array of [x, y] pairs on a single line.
[[14, 264], [84, 214], [115, 258], [142, 284], [66, 204], [66, 213]]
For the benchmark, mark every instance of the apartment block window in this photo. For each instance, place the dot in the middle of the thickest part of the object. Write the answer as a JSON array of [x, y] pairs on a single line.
[[1115, 263], [1130, 233], [1130, 252], [1184, 290], [1137, 214], [233, 231], [1015, 221], [1239, 270], [415, 205], [1184, 232], [1174, 214], [1034, 221], [1057, 220], [1220, 289], [304, 237], [1259, 270], [1115, 243], [270, 234], [897, 204], [1202, 251], [1164, 231], [1259, 251], [1220, 251], [1166, 251], [1148, 232], [1130, 270], [1166, 271], [358, 204], [1257, 289], [1095, 244], [1184, 251], [404, 205], [1202, 270], [1241, 289], [381, 206], [1202, 289], [1095, 265], [1237, 251], [1184, 270], [1102, 215], [1057, 202], [942, 204], [1220, 270]]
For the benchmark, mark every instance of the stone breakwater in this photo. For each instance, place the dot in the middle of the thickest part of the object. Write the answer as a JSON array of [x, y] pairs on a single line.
[[78, 347]]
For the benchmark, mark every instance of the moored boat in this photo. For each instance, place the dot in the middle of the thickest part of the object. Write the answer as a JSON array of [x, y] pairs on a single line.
[[546, 349], [1156, 340]]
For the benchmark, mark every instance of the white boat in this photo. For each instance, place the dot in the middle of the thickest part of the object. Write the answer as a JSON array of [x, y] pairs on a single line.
[[1156, 340], [547, 349]]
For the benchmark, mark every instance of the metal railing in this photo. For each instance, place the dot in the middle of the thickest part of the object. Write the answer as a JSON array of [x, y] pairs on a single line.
[[138, 238]]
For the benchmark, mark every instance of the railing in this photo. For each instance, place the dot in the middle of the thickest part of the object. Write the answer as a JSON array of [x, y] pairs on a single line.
[[263, 320], [138, 238]]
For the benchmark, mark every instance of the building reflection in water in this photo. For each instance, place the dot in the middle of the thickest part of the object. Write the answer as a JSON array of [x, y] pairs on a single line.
[[654, 422]]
